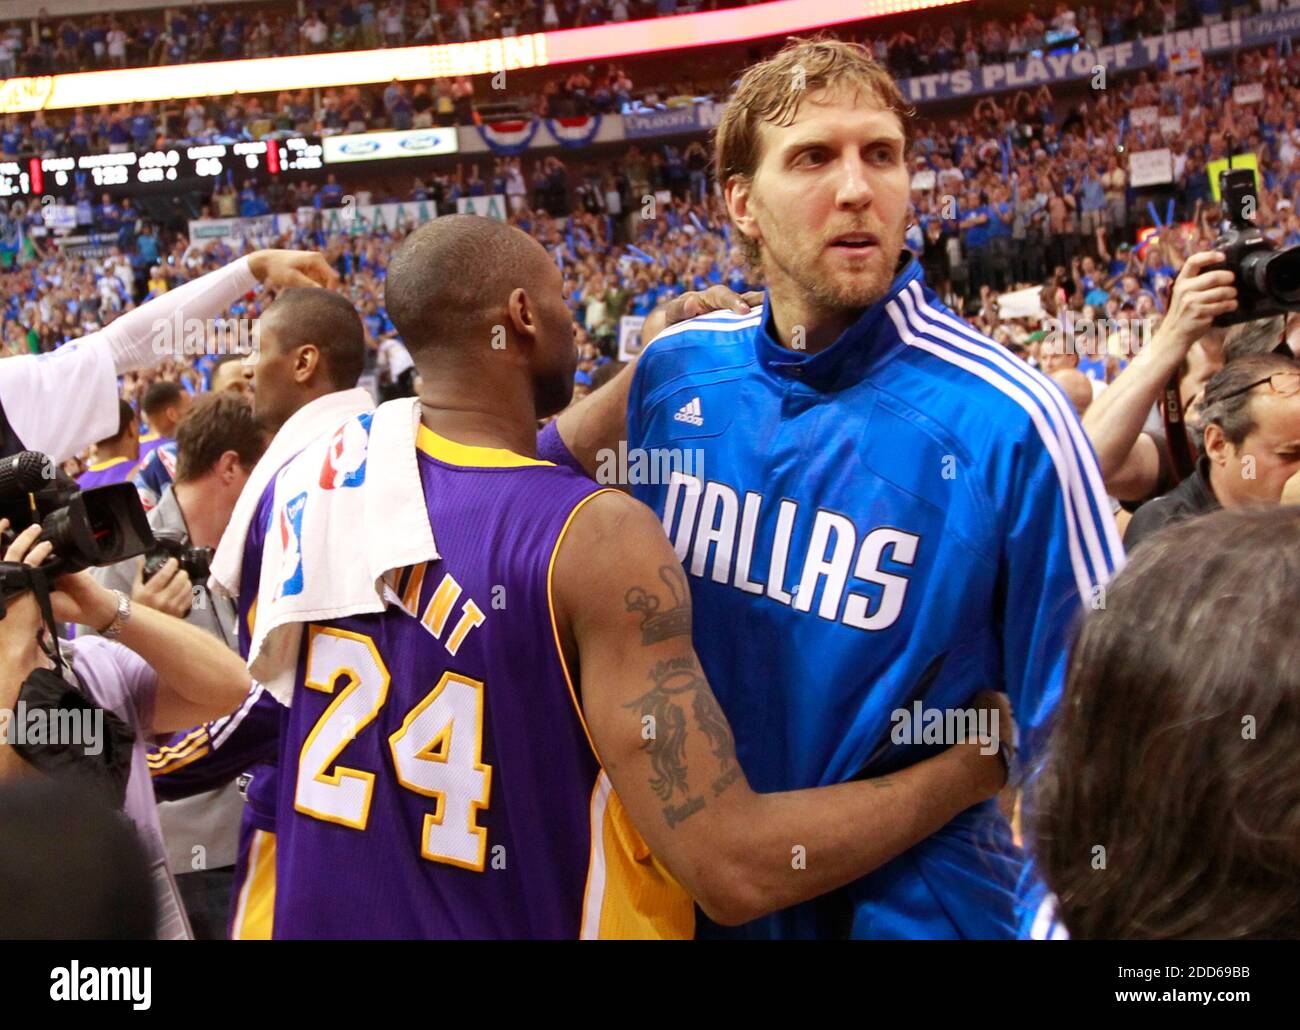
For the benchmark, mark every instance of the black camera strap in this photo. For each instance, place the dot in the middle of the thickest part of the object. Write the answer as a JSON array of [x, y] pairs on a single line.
[[21, 578], [50, 644], [1181, 460]]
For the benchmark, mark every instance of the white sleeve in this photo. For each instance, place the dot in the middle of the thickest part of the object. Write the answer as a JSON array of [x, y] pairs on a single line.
[[60, 403], [137, 339]]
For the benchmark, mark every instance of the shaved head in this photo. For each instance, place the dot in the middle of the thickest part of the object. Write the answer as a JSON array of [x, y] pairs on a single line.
[[451, 280], [310, 343], [326, 320], [1077, 387], [479, 304]]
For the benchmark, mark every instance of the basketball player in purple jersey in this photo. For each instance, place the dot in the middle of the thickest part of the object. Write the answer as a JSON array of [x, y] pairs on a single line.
[[524, 744]]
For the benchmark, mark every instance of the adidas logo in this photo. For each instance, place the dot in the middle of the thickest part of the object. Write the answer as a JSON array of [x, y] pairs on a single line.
[[690, 413]]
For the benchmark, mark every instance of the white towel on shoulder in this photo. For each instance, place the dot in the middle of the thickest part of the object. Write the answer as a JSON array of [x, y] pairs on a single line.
[[312, 420], [347, 510]]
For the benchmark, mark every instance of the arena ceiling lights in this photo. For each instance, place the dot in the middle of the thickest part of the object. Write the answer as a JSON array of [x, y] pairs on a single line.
[[481, 57]]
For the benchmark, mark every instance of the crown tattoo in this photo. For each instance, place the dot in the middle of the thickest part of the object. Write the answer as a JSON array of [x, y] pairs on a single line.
[[659, 625]]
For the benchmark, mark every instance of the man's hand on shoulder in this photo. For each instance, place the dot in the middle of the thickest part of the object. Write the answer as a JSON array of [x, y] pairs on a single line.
[[598, 422], [696, 303]]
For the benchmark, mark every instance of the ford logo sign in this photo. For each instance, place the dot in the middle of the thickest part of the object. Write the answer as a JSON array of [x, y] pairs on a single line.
[[361, 147], [422, 142]]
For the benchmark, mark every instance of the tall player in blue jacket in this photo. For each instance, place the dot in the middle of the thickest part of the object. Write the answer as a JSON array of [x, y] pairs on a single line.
[[880, 511]]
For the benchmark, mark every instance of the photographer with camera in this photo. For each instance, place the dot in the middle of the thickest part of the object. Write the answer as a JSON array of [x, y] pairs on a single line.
[[153, 675], [217, 444], [34, 413], [1134, 460], [1250, 419], [1245, 279]]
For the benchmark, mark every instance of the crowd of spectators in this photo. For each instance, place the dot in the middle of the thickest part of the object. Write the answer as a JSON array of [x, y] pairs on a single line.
[[1024, 190], [918, 46], [590, 89], [616, 261], [1018, 194], [328, 112], [45, 45], [1025, 187]]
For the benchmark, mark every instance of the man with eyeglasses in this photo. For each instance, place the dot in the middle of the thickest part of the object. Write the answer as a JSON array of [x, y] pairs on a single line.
[[1251, 449]]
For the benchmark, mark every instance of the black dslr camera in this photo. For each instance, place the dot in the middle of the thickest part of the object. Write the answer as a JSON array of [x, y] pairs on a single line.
[[196, 561], [1268, 279], [92, 527]]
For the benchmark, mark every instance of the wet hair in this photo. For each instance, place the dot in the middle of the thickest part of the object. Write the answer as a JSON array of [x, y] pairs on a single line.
[[773, 90]]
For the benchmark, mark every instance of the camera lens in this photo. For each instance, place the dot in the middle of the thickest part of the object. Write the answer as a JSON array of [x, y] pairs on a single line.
[[1281, 273]]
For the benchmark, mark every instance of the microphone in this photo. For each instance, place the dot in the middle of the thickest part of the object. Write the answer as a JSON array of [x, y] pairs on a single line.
[[25, 472]]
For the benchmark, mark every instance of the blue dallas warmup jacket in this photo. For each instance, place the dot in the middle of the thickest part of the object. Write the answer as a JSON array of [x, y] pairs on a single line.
[[911, 514]]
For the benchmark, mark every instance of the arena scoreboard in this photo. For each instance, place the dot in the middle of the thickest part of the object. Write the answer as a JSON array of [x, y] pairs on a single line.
[[173, 169]]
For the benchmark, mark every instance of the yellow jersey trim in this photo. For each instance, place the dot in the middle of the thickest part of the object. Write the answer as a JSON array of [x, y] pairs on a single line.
[[550, 604], [99, 466], [255, 911], [469, 455]]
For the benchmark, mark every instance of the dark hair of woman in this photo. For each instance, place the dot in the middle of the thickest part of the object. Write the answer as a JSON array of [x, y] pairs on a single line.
[[1167, 803]]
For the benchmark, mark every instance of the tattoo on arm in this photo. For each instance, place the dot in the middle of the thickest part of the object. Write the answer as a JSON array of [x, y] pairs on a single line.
[[673, 621], [663, 722], [663, 708]]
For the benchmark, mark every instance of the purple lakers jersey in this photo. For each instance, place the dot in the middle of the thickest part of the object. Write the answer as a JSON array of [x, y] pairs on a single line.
[[106, 473], [149, 443], [436, 779]]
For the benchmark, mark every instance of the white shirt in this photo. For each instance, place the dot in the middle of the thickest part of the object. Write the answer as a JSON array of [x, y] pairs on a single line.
[[34, 388], [35, 397], [394, 355]]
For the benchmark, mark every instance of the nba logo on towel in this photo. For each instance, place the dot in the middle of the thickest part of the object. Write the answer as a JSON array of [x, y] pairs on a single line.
[[291, 540], [345, 459]]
